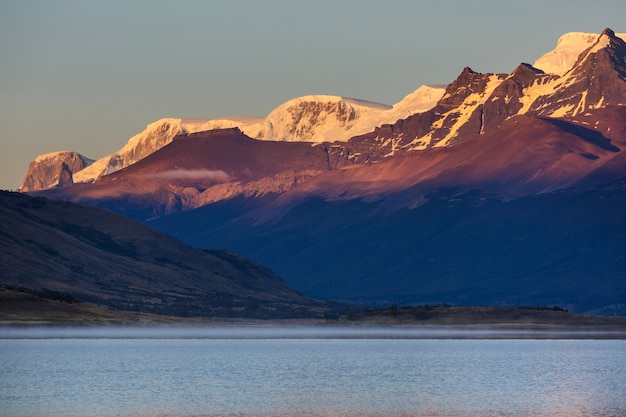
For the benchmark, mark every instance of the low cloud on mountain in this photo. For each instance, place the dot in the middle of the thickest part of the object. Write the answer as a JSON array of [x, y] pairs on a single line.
[[191, 174]]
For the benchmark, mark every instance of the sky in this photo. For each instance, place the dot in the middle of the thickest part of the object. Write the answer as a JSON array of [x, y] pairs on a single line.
[[86, 75]]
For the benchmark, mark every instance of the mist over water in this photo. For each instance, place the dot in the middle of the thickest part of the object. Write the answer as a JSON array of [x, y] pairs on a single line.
[[293, 332]]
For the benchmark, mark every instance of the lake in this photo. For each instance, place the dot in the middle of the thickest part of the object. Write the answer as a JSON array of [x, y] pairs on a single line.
[[252, 373]]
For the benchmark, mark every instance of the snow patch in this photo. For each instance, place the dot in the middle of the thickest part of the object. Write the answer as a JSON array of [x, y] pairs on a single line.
[[468, 107], [536, 90], [563, 110]]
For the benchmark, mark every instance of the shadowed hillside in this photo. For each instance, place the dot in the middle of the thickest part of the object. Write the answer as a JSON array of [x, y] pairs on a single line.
[[104, 258]]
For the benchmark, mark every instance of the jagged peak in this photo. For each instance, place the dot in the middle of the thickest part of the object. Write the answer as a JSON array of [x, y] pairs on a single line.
[[603, 40], [470, 74], [609, 32], [526, 74], [617, 39], [468, 80], [525, 68], [468, 70], [606, 40]]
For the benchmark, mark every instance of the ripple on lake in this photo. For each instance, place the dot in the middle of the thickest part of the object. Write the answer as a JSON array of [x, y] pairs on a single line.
[[314, 377]]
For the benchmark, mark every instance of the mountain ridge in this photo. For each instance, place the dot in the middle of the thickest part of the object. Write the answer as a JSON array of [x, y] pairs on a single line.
[[474, 108], [297, 120], [162, 132]]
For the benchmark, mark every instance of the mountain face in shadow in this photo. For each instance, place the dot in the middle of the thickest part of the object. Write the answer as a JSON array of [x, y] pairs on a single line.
[[107, 259], [462, 247]]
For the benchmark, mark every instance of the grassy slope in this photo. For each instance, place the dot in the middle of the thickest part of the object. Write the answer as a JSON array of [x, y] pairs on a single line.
[[110, 260]]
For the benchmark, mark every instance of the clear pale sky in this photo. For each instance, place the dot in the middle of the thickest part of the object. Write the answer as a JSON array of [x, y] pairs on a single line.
[[87, 75]]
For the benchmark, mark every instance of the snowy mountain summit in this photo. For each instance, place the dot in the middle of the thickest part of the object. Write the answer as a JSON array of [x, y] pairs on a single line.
[[54, 169], [584, 72], [476, 103], [559, 60], [322, 118], [317, 118], [314, 118]]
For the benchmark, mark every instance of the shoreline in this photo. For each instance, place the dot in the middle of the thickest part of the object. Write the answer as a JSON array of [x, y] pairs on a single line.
[[26, 316]]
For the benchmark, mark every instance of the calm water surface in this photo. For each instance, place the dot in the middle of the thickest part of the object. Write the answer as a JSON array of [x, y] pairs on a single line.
[[312, 377]]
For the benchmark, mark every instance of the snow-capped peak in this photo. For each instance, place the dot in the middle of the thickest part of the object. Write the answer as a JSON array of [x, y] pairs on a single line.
[[316, 118], [155, 136], [327, 118], [420, 100], [53, 169], [568, 48], [313, 118], [60, 155]]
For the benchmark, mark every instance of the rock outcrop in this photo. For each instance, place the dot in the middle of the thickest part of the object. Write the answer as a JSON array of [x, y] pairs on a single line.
[[53, 170]]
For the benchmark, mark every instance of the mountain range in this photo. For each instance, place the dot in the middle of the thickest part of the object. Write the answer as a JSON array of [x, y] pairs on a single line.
[[500, 189]]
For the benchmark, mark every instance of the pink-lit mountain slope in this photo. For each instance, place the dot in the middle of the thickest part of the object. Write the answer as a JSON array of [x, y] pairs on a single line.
[[473, 103], [202, 168], [525, 155], [477, 103]]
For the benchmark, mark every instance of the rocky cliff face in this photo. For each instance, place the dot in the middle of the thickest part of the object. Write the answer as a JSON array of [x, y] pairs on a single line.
[[458, 114], [53, 170], [508, 98]]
